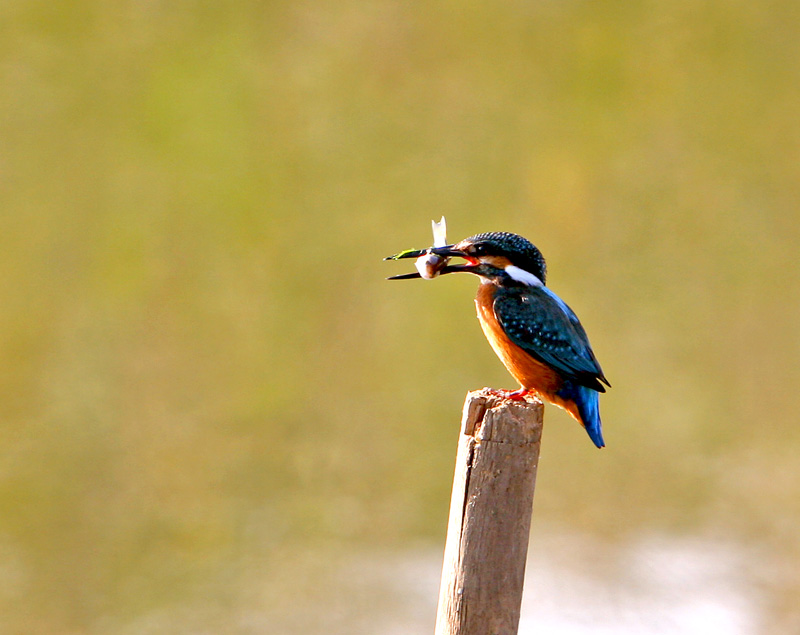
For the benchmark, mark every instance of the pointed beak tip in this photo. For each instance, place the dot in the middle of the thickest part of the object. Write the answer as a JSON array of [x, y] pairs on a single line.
[[405, 276]]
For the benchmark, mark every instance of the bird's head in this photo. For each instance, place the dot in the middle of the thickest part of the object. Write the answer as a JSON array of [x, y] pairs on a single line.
[[498, 257]]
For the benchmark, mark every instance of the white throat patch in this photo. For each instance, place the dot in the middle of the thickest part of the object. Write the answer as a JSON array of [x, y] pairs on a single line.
[[525, 277]]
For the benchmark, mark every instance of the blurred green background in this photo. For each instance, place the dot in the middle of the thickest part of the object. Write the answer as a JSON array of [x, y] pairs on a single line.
[[211, 398]]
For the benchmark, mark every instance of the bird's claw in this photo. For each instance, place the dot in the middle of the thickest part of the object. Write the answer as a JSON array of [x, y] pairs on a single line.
[[513, 395]]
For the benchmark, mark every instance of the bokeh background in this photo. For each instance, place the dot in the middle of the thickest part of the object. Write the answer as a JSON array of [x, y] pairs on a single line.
[[217, 416]]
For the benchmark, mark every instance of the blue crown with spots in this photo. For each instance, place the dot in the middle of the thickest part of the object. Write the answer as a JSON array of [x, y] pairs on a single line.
[[520, 251]]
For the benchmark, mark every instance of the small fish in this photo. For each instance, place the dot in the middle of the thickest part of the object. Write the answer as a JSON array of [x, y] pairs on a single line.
[[428, 265]]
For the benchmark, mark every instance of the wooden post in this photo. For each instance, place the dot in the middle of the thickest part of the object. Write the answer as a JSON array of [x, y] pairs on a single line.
[[490, 516]]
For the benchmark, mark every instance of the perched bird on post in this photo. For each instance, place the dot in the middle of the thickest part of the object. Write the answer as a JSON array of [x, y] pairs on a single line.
[[535, 334]]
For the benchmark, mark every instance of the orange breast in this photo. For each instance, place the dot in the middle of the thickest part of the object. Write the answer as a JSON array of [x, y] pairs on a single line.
[[530, 373]]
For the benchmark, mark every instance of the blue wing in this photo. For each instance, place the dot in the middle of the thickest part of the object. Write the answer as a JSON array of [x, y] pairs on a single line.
[[540, 323]]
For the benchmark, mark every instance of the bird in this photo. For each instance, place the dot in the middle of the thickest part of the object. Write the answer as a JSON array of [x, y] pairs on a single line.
[[539, 339]]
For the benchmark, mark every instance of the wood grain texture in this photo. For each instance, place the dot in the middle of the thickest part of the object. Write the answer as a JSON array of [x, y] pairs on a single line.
[[490, 516]]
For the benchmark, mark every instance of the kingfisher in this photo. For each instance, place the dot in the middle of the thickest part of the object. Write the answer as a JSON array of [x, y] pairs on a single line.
[[535, 334]]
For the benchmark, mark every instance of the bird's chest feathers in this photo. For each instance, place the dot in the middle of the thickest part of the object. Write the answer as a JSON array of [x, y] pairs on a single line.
[[529, 372]]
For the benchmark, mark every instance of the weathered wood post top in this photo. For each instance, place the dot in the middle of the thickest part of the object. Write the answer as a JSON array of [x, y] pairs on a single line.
[[490, 516]]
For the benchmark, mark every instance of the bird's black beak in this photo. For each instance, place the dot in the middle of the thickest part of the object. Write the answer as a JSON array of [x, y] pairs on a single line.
[[404, 276], [444, 270], [448, 251]]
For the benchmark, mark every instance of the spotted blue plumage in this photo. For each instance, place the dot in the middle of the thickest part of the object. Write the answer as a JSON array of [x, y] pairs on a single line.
[[539, 322]]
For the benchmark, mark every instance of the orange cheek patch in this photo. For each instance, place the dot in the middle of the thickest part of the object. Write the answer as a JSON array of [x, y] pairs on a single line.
[[500, 262]]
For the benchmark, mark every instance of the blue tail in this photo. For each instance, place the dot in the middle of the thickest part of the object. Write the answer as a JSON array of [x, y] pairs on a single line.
[[588, 402]]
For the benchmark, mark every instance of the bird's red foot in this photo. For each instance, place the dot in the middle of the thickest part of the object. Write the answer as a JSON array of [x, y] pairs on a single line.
[[513, 395]]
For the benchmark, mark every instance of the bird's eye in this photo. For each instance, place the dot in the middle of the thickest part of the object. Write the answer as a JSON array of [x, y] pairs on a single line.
[[479, 249]]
